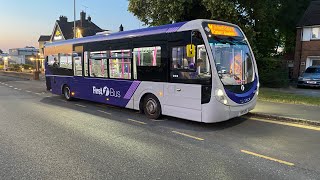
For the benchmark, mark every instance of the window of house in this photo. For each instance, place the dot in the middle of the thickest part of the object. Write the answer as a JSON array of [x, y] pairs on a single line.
[[120, 64], [315, 33], [65, 61], [146, 56]]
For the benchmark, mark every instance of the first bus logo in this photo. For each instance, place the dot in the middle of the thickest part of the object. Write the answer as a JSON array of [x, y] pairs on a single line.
[[105, 91]]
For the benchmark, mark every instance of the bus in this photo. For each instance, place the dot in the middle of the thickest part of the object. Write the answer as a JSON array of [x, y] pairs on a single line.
[[200, 70]]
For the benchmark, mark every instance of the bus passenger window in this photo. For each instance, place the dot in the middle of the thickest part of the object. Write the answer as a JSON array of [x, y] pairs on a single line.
[[180, 60], [65, 61], [85, 59], [120, 64], [190, 69], [98, 68], [77, 64], [53, 60], [146, 56]]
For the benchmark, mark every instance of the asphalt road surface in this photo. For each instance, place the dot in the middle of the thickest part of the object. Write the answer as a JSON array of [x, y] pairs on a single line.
[[42, 136]]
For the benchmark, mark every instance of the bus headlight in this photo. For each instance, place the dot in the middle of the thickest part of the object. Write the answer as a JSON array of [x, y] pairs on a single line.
[[220, 96]]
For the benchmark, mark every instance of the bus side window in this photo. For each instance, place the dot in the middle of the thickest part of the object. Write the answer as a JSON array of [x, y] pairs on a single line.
[[77, 59], [146, 56], [85, 64]]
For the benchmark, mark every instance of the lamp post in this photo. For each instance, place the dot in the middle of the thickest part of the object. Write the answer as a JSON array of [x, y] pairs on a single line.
[[36, 72], [74, 17], [5, 63]]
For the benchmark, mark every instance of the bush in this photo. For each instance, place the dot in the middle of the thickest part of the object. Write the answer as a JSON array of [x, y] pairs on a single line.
[[14, 67], [273, 73], [27, 66]]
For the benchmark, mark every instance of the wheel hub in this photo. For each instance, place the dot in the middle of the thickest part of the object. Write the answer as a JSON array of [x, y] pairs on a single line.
[[151, 106]]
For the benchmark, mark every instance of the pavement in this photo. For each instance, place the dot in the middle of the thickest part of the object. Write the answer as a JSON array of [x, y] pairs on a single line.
[[42, 136], [291, 112]]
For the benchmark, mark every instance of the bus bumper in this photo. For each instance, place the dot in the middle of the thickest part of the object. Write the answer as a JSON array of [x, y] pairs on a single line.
[[216, 112]]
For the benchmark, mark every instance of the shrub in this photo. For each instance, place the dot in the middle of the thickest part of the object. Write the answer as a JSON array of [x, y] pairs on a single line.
[[14, 67], [27, 66], [273, 73]]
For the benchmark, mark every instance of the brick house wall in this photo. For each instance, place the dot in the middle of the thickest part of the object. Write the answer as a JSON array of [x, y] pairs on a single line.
[[307, 50], [303, 50]]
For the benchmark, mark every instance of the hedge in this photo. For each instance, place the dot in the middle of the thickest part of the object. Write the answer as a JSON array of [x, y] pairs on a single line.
[[273, 73]]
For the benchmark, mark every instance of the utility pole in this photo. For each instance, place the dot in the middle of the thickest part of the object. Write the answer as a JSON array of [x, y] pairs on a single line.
[[74, 15]]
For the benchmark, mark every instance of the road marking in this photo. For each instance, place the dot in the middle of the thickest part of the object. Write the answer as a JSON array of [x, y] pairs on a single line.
[[159, 120], [269, 158], [62, 100], [80, 105], [19, 89], [104, 112], [37, 93], [187, 135], [140, 122], [16, 88], [10, 86], [288, 124], [28, 91]]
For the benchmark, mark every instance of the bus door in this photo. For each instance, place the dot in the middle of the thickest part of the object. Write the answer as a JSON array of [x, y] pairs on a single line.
[[182, 94]]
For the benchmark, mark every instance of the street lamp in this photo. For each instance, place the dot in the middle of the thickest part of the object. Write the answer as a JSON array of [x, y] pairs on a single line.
[[5, 63], [74, 16]]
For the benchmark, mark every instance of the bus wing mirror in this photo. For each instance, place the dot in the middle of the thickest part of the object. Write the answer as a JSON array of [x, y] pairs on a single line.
[[191, 50]]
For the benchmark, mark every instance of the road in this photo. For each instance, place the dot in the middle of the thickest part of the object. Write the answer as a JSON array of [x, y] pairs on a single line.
[[44, 137]]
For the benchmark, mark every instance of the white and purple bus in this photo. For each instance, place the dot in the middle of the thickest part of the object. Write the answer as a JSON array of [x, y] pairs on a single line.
[[201, 70]]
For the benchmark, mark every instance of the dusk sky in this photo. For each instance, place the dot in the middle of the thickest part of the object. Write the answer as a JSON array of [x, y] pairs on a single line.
[[23, 21]]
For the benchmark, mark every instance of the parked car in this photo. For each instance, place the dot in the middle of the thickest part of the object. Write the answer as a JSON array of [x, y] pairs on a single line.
[[310, 78]]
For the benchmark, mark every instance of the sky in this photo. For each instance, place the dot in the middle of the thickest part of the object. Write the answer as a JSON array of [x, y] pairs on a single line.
[[23, 21]]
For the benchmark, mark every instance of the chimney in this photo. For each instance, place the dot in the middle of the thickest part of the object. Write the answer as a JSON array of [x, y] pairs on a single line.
[[63, 19], [89, 18], [82, 18], [121, 28]]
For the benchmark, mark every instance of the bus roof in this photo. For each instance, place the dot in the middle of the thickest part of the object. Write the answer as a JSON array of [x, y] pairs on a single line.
[[170, 28]]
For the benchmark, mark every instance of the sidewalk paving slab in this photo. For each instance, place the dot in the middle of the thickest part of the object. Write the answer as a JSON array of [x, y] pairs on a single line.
[[290, 112]]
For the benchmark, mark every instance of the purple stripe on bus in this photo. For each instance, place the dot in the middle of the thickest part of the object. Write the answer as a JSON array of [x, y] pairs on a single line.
[[131, 90], [172, 30]]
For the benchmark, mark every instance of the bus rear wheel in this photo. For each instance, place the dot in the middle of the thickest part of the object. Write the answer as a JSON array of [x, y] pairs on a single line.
[[152, 107], [67, 93]]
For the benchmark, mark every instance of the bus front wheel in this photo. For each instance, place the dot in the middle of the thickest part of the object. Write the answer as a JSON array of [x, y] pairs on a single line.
[[152, 107], [67, 93]]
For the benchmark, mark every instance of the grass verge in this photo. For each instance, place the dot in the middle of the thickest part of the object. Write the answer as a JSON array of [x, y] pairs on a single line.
[[289, 98]]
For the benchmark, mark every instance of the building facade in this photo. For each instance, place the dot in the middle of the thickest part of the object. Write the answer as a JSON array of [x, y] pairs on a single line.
[[307, 51], [23, 55]]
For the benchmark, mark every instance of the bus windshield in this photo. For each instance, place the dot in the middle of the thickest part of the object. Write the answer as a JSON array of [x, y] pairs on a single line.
[[233, 60]]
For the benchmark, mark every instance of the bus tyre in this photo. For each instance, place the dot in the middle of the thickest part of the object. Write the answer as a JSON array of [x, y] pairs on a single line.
[[67, 93], [152, 107]]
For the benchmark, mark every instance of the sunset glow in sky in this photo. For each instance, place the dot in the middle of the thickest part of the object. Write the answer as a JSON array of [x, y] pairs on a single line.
[[23, 21]]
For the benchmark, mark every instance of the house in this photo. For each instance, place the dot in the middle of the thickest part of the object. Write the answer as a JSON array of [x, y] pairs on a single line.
[[64, 30], [307, 51]]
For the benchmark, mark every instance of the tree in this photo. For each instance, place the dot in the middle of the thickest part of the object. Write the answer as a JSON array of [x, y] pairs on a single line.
[[269, 24], [1, 52]]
